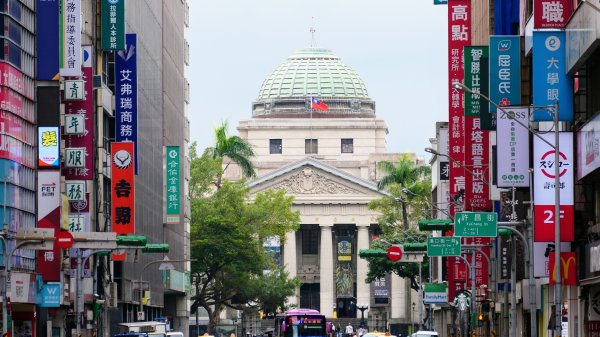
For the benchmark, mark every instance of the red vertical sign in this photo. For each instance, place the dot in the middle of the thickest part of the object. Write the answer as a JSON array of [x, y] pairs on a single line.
[[568, 268], [123, 189], [477, 142], [459, 36], [551, 13]]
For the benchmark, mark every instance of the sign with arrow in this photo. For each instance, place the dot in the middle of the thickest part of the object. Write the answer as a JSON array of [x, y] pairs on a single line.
[[126, 93]]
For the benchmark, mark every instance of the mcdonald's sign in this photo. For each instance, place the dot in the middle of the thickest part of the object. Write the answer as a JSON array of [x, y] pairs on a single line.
[[568, 268]]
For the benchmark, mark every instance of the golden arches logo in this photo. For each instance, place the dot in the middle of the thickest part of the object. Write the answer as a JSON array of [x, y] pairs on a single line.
[[565, 262]]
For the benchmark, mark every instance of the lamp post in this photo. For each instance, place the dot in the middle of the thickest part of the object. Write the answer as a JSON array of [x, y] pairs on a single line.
[[166, 261], [555, 146], [362, 307]]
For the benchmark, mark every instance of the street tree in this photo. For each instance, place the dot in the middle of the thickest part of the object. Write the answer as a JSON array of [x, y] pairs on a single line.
[[228, 229]]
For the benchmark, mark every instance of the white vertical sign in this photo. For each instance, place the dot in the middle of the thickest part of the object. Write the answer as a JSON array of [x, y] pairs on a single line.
[[70, 38], [512, 141]]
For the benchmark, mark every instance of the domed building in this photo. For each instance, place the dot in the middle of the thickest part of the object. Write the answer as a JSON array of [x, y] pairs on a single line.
[[327, 160]]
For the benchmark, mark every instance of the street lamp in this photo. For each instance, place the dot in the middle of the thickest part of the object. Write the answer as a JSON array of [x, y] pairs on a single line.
[[555, 146], [362, 308], [473, 174]]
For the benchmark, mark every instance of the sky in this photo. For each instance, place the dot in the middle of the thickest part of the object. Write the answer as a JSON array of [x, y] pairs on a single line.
[[398, 48]]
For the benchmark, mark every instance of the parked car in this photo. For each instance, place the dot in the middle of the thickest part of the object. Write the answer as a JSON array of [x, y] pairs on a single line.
[[423, 333], [377, 334]]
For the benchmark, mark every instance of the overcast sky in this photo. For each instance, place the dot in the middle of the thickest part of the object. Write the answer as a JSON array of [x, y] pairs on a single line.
[[399, 48]]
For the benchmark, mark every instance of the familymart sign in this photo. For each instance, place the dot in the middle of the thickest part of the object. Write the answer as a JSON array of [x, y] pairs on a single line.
[[436, 293]]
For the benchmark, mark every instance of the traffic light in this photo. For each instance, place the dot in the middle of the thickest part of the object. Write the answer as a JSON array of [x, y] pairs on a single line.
[[415, 247], [480, 317], [261, 314], [435, 224], [156, 248], [132, 240], [504, 232]]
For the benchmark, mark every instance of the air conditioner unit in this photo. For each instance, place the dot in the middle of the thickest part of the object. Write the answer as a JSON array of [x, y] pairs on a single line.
[[113, 300]]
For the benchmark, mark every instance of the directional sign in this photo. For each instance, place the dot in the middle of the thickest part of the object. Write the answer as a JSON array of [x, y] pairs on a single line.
[[443, 246], [476, 224]]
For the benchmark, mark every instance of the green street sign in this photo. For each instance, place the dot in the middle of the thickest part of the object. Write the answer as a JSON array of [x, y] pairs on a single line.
[[443, 246], [472, 224]]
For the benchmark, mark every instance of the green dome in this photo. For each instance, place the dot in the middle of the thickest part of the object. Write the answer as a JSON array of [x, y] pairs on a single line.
[[313, 72]]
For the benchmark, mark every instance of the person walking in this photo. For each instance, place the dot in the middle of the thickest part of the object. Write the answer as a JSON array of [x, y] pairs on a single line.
[[349, 330]]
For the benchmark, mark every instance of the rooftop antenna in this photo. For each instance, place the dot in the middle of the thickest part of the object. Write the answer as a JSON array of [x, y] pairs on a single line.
[[313, 43]]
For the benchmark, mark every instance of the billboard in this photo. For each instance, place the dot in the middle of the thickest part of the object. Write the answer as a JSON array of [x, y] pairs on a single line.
[[173, 184], [126, 93], [551, 13], [512, 144], [70, 38], [46, 15], [49, 147], [49, 209], [550, 80], [544, 187], [588, 147]]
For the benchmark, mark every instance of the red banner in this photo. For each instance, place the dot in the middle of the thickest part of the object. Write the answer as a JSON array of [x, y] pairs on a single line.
[[123, 188], [551, 13], [459, 36], [568, 268]]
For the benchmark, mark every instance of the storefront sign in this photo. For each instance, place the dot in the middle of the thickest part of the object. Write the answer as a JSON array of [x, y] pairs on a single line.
[[380, 288], [126, 93], [50, 295], [475, 105], [173, 185], [70, 38], [48, 144], [436, 293], [568, 268], [79, 127], [113, 24], [22, 287], [75, 190], [512, 144], [123, 188], [477, 159], [550, 80], [74, 90], [541, 251], [588, 147], [551, 13], [544, 187], [49, 215], [505, 71]]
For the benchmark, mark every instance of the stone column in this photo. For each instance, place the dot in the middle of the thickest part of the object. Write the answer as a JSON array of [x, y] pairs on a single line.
[[290, 261], [400, 297], [326, 271], [363, 289]]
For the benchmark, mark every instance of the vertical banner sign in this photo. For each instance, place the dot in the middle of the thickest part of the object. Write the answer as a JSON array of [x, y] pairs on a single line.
[[543, 187], [550, 80], [123, 188], [568, 268], [475, 105], [512, 143], [588, 147], [49, 202], [459, 36], [173, 185], [551, 13], [344, 274], [477, 158], [47, 18], [48, 147], [505, 71], [70, 37], [126, 93], [77, 135], [113, 24]]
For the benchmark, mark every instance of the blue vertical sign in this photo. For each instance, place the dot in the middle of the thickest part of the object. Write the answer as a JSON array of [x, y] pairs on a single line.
[[550, 80], [505, 71], [47, 40], [126, 93]]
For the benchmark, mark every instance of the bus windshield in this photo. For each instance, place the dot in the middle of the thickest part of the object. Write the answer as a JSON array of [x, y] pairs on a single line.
[[305, 326]]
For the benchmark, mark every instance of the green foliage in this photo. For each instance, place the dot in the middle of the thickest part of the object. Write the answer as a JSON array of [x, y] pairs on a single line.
[[232, 149], [228, 229]]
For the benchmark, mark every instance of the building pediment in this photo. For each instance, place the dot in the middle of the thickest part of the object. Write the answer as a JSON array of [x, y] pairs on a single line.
[[310, 180]]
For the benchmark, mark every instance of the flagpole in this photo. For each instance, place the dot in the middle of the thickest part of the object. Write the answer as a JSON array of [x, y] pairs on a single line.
[[310, 125]]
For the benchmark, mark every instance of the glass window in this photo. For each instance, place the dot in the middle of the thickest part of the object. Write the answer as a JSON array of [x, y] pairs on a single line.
[[310, 240], [275, 146], [347, 145], [311, 146]]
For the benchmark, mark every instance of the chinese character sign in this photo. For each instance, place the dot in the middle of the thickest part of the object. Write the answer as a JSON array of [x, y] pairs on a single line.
[[48, 144], [113, 24], [512, 143], [459, 36], [477, 159], [123, 188], [126, 92], [551, 13], [550, 80], [544, 187], [49, 202], [173, 184], [476, 80], [79, 128], [70, 38], [505, 71]]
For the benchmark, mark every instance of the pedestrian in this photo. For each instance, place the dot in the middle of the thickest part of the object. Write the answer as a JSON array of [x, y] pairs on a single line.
[[349, 330], [361, 331]]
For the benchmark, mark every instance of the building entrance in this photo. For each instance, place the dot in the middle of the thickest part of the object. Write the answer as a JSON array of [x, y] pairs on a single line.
[[346, 307], [310, 296]]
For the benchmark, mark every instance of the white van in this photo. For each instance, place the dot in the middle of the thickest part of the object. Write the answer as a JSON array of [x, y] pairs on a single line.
[[423, 333], [174, 334]]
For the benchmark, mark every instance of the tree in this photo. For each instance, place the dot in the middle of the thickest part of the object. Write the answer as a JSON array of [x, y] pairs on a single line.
[[227, 234], [231, 149]]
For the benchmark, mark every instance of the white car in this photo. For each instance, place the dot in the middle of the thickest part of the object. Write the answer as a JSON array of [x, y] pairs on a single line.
[[423, 333]]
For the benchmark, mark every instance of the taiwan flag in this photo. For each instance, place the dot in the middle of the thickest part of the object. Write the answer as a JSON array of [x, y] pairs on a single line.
[[318, 105]]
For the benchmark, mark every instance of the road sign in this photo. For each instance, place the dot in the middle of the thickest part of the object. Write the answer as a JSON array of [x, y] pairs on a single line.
[[394, 253], [35, 234], [443, 246], [64, 240], [95, 240], [472, 224]]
